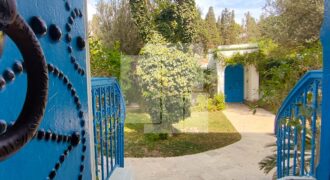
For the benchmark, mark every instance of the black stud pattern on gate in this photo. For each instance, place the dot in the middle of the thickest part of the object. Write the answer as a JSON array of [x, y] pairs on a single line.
[[76, 139], [75, 13]]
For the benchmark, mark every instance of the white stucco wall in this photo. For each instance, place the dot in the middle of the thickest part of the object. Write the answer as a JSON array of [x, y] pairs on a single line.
[[251, 83], [221, 78]]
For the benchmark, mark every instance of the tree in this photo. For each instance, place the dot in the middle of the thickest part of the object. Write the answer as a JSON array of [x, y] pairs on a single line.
[[210, 16], [251, 29], [166, 73], [230, 30], [142, 17], [110, 25], [166, 20], [202, 34], [291, 22], [174, 20], [213, 38], [106, 62], [187, 17], [219, 26]]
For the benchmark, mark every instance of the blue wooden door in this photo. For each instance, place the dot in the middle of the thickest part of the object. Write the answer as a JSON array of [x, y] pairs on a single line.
[[44, 130], [234, 84]]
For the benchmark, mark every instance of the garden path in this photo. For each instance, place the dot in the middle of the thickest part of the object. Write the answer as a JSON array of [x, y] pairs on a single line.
[[234, 162]]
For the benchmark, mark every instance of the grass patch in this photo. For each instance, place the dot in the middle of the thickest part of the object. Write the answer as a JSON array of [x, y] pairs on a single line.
[[201, 132]]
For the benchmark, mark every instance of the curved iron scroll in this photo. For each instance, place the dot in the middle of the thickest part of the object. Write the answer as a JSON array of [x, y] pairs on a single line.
[[25, 127]]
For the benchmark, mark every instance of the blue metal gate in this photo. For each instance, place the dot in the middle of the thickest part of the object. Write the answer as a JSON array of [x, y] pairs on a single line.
[[44, 130], [109, 117], [234, 84], [297, 127]]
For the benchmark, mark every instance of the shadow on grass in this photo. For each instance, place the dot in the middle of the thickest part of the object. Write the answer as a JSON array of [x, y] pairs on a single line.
[[203, 131], [138, 144]]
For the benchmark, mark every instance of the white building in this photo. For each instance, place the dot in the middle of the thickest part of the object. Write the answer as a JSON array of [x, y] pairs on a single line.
[[237, 83]]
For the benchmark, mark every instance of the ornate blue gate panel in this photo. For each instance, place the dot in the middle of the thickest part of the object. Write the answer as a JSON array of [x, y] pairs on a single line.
[[109, 118], [44, 130], [297, 128], [234, 84]]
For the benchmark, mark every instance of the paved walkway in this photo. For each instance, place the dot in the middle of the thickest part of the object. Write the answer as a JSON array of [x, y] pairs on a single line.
[[238, 161]]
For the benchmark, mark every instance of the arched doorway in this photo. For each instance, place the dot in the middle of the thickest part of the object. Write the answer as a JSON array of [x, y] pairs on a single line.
[[234, 84]]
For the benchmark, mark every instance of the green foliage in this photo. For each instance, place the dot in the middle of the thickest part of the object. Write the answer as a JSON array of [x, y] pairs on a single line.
[[104, 61], [268, 163], [166, 22], [217, 103], [154, 137], [213, 35], [251, 29], [248, 59], [203, 103], [107, 62], [203, 36], [174, 20], [142, 17], [229, 29], [292, 22], [187, 17], [209, 80], [166, 75]]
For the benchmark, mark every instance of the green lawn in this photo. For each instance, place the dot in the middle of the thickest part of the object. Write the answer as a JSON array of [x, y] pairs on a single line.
[[202, 132]]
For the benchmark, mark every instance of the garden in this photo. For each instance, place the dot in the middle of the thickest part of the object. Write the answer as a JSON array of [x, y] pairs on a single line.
[[173, 106]]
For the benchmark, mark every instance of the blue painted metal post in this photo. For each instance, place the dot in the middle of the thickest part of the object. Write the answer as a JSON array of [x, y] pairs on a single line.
[[295, 155], [303, 138], [95, 114], [314, 130], [324, 165], [323, 170], [106, 116], [289, 144]]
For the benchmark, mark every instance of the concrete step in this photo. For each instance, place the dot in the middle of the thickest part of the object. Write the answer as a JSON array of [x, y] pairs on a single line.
[[297, 178], [121, 174]]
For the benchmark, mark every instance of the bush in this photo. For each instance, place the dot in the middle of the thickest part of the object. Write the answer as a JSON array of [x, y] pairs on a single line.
[[201, 103], [166, 74], [217, 103], [210, 104], [109, 62]]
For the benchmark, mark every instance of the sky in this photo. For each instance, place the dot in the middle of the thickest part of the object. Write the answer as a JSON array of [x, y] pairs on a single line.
[[240, 7]]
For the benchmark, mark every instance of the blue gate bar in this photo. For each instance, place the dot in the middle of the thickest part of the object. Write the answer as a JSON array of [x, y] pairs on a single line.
[[314, 128], [109, 116], [296, 114]]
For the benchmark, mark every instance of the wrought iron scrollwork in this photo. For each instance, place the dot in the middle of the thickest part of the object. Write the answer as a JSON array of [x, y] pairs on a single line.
[[29, 119]]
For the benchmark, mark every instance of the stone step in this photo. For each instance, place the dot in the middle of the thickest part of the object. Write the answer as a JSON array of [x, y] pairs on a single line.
[[121, 174]]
